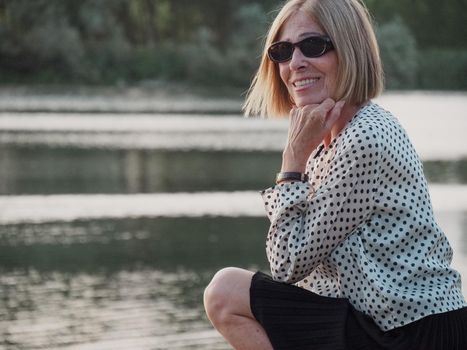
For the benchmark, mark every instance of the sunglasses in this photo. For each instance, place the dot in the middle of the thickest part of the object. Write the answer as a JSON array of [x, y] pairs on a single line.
[[313, 46]]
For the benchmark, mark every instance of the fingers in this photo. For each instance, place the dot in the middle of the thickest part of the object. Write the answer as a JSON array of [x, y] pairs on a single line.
[[328, 103], [293, 115], [325, 113], [322, 110], [311, 124]]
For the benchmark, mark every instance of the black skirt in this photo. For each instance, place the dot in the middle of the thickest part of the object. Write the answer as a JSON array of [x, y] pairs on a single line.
[[297, 319]]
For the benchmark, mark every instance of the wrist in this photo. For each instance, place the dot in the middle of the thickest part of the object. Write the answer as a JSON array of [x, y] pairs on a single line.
[[289, 176], [291, 163]]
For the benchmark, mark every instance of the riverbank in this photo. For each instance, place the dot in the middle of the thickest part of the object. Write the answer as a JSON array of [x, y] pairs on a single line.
[[156, 98], [160, 97], [159, 88]]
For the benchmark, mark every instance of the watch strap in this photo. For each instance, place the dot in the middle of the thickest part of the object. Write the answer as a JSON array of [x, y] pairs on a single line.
[[291, 176]]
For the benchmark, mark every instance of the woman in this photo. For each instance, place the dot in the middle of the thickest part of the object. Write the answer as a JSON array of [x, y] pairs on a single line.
[[357, 259]]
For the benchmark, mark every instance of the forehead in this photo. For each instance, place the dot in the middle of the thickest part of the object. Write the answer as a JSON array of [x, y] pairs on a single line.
[[298, 26]]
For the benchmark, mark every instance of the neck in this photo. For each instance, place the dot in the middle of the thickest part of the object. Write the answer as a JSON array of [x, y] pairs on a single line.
[[348, 111]]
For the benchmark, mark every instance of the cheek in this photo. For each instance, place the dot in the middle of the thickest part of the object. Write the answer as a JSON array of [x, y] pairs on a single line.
[[331, 69], [331, 80], [284, 73]]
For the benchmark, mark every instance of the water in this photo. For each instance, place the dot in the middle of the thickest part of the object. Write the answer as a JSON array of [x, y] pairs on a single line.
[[117, 284], [116, 211]]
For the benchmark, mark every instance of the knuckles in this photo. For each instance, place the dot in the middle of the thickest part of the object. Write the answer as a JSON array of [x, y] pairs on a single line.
[[312, 112]]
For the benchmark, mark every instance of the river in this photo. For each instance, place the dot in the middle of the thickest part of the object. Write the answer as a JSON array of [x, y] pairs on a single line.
[[115, 211]]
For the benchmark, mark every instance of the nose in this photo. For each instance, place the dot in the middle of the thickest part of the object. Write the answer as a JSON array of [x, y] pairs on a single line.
[[298, 60]]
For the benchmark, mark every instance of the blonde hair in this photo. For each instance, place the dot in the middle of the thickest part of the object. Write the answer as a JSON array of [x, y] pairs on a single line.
[[360, 73]]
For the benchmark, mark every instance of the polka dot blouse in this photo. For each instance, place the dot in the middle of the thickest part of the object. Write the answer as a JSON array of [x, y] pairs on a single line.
[[362, 227]]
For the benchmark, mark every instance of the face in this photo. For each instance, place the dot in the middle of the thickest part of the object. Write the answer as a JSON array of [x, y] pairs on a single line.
[[308, 80]]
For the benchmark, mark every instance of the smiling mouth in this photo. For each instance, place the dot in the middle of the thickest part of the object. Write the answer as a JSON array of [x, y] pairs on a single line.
[[304, 82]]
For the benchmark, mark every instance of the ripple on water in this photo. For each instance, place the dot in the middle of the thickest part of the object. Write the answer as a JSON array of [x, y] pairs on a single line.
[[126, 310]]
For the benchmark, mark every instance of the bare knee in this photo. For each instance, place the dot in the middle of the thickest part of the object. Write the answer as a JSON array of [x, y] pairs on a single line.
[[227, 294], [216, 295]]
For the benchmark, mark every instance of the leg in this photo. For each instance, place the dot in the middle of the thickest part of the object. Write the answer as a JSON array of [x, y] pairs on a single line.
[[227, 304]]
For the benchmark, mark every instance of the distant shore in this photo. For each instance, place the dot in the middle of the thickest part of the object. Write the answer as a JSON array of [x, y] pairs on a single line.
[[154, 88], [157, 97]]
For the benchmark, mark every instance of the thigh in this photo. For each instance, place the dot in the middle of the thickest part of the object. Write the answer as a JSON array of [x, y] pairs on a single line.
[[297, 319], [232, 286]]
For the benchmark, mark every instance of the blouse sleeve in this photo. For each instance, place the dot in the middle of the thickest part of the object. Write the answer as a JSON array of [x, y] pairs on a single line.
[[307, 224]]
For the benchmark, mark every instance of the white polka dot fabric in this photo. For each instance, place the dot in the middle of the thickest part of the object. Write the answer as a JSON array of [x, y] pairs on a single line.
[[363, 228]]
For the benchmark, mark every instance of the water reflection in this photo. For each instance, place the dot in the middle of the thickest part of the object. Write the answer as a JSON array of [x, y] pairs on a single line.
[[125, 310], [137, 283], [445, 171], [45, 170], [110, 245], [129, 284]]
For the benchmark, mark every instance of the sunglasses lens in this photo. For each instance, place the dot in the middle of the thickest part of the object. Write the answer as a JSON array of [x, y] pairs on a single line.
[[312, 47], [281, 51]]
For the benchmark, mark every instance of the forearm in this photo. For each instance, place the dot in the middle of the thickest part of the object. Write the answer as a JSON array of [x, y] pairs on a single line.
[[293, 161], [288, 260], [290, 251]]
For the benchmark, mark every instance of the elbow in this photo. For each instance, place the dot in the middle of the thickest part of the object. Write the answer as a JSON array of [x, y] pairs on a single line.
[[290, 279], [292, 273], [285, 275]]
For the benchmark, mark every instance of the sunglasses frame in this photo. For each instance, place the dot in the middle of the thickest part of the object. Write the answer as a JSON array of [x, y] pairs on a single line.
[[327, 46]]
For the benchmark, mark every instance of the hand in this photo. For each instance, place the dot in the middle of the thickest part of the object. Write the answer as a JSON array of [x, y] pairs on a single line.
[[308, 126]]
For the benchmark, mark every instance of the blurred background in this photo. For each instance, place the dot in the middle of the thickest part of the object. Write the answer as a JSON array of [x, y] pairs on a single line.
[[207, 42], [128, 175]]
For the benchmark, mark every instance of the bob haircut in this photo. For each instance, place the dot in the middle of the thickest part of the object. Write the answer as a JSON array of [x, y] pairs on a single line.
[[360, 73]]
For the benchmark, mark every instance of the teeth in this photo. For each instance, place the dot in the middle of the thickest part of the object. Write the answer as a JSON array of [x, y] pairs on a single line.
[[301, 83]]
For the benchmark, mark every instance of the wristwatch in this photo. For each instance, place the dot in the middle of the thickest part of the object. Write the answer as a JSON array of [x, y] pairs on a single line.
[[291, 176]]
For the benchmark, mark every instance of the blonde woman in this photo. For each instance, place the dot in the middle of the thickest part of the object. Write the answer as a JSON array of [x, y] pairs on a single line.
[[356, 257]]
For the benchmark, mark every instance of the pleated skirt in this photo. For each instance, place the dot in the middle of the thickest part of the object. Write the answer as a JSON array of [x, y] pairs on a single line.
[[297, 319]]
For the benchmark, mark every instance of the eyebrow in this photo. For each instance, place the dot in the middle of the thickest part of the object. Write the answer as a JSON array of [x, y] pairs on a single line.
[[304, 35], [308, 34]]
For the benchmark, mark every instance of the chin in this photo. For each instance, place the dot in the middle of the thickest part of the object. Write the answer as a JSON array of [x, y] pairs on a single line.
[[304, 100], [309, 101]]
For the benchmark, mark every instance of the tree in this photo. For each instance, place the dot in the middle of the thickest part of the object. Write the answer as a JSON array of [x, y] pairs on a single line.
[[398, 53]]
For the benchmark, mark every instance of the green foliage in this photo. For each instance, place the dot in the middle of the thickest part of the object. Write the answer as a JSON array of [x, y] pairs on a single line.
[[203, 60], [244, 52], [236, 63], [433, 23], [443, 69], [30, 43], [60, 40], [152, 63], [208, 42], [398, 53]]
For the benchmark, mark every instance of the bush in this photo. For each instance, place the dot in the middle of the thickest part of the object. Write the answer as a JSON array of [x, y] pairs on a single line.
[[235, 64], [202, 60], [399, 54], [443, 69], [244, 51]]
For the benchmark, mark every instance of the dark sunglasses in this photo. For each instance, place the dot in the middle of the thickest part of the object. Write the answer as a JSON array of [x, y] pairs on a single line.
[[313, 46]]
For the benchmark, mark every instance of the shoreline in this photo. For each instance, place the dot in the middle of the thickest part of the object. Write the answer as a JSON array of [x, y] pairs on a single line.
[[155, 98], [163, 89], [158, 89]]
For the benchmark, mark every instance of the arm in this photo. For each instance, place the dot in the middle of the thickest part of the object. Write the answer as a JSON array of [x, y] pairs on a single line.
[[308, 126], [306, 225]]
